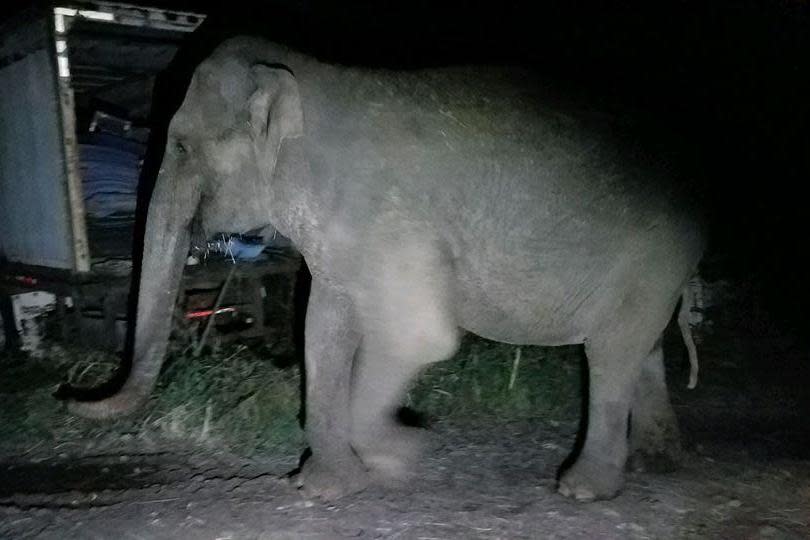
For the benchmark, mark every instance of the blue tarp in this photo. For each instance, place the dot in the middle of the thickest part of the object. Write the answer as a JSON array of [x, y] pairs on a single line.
[[110, 167]]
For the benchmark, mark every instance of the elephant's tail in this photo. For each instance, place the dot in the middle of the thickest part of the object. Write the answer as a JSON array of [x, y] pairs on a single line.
[[687, 303]]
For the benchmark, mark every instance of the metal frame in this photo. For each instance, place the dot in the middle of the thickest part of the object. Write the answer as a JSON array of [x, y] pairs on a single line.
[[57, 17], [113, 13], [70, 146], [131, 15]]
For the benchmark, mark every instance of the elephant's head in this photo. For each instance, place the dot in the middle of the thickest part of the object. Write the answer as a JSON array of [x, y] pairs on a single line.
[[219, 163]]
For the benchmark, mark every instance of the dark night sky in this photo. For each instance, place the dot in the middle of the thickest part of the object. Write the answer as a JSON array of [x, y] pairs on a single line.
[[719, 87]]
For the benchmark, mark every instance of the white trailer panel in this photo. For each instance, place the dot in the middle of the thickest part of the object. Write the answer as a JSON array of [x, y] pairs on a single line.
[[35, 214]]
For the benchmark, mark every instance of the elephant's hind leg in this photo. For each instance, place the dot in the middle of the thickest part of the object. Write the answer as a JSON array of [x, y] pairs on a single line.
[[407, 324], [654, 435], [598, 471], [387, 447], [623, 353]]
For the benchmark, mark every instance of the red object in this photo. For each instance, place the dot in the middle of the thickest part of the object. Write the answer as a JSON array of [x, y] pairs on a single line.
[[202, 313], [26, 280]]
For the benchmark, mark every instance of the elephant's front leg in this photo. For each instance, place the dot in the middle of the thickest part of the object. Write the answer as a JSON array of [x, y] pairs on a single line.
[[408, 323], [331, 341]]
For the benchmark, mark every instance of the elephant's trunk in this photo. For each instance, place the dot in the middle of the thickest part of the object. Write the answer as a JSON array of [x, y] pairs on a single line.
[[166, 242]]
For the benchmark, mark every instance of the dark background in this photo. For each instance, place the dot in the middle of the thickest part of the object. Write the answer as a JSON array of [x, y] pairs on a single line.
[[719, 89]]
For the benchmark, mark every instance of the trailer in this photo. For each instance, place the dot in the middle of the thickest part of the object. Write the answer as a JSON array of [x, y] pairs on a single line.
[[76, 84]]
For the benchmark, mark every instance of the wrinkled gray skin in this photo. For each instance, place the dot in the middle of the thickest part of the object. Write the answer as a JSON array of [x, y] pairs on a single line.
[[425, 203]]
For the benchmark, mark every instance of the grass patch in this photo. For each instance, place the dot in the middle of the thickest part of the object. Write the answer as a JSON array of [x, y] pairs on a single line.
[[235, 397], [486, 379], [232, 398]]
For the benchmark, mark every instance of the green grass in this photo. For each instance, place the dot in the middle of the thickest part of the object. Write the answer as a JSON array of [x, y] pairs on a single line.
[[235, 397], [230, 398], [487, 380]]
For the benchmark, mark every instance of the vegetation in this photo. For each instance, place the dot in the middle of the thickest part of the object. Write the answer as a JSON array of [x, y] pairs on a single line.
[[489, 379], [235, 397]]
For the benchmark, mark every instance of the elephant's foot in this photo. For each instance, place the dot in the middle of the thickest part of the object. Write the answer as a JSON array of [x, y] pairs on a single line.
[[589, 480], [321, 480], [661, 462], [391, 452], [655, 450]]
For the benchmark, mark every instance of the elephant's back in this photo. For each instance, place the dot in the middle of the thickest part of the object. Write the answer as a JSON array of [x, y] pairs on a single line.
[[486, 155]]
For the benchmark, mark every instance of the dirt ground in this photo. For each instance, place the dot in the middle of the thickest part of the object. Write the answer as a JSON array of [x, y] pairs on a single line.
[[746, 475]]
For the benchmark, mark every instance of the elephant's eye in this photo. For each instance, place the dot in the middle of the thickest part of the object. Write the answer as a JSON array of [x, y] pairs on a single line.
[[180, 147]]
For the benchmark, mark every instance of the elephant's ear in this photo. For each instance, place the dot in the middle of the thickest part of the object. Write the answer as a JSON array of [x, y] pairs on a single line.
[[275, 107]]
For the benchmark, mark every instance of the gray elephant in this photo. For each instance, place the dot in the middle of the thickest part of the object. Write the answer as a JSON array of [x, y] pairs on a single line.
[[426, 203]]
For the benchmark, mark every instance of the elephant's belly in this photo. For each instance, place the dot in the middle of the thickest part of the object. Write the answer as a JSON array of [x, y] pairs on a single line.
[[511, 315]]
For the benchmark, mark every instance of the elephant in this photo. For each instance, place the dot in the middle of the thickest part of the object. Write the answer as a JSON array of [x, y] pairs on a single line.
[[426, 202]]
